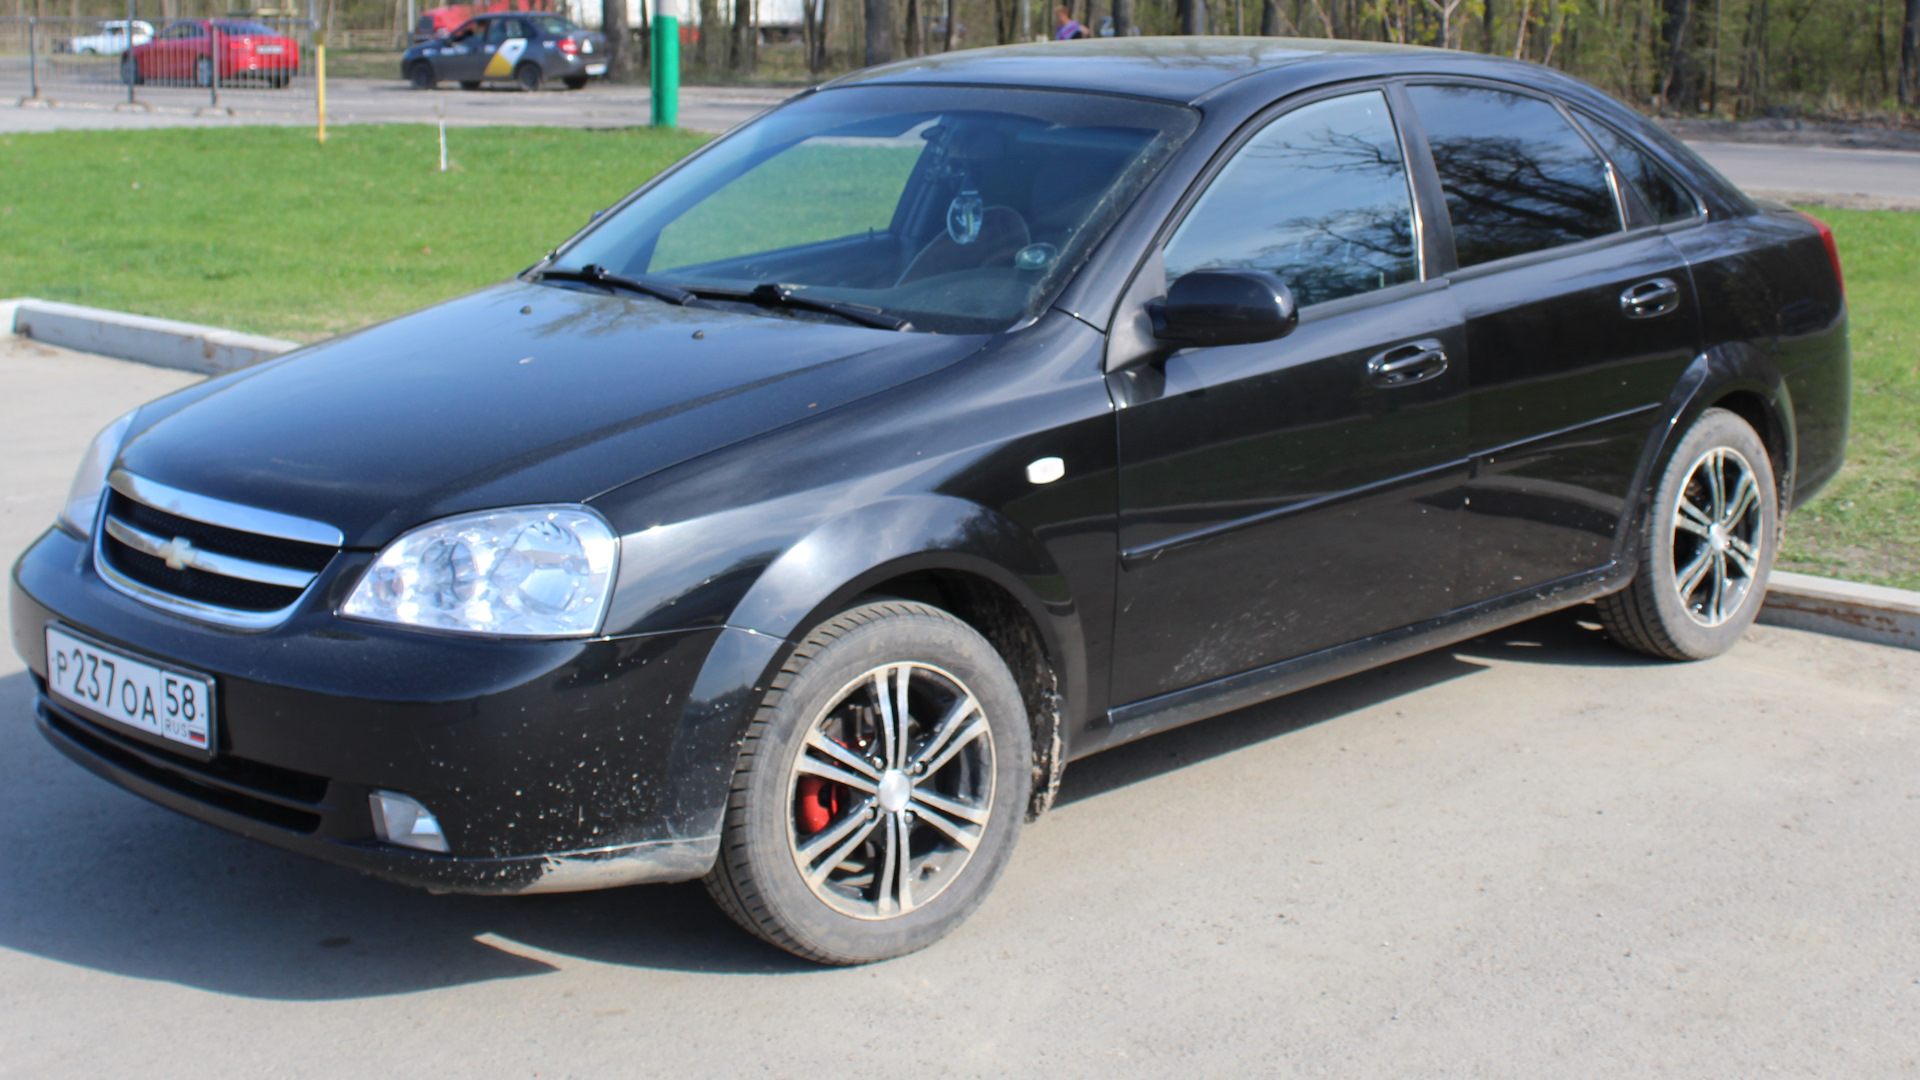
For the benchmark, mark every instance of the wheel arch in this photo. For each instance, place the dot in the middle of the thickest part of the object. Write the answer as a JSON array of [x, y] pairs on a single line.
[[954, 554], [1740, 378]]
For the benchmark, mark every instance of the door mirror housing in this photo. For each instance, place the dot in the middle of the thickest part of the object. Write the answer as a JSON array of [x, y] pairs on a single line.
[[1224, 307]]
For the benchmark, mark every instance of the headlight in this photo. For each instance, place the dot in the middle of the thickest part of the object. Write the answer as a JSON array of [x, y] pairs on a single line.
[[531, 571], [90, 483]]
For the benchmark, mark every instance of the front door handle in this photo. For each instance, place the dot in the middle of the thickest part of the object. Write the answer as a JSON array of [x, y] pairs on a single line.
[[1404, 365], [1650, 298]]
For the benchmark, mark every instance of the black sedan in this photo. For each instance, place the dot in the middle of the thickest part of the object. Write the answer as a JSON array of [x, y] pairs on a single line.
[[529, 48], [797, 522]]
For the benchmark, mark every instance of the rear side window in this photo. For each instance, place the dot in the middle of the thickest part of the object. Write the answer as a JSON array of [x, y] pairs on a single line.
[[1319, 197], [1517, 177], [1655, 185]]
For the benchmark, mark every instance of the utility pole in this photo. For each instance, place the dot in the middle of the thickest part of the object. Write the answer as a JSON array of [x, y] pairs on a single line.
[[666, 63]]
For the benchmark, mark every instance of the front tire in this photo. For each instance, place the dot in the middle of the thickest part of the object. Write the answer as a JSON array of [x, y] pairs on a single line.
[[880, 788], [130, 71], [1707, 548], [203, 72], [529, 76], [421, 77]]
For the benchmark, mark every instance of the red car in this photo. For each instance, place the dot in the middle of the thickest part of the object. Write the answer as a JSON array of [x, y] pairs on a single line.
[[184, 53]]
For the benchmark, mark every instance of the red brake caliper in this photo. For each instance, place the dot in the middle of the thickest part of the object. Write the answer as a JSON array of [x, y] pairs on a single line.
[[819, 804]]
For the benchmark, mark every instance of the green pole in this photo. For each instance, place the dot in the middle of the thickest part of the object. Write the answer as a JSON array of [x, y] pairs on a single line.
[[665, 80]]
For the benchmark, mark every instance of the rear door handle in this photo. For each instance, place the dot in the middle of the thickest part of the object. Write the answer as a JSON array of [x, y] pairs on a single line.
[[1650, 298], [1404, 365]]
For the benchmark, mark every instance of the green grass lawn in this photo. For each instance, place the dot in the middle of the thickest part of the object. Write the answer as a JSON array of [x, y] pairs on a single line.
[[1866, 525], [263, 229]]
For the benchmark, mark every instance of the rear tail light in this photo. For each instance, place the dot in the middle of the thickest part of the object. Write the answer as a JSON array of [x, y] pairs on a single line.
[[569, 46], [1833, 250]]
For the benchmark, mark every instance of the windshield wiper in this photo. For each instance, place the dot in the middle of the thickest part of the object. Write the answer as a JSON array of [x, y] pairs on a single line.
[[595, 274], [777, 295]]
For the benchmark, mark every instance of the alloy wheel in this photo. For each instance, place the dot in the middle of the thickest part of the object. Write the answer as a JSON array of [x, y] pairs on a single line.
[[892, 791], [1716, 536]]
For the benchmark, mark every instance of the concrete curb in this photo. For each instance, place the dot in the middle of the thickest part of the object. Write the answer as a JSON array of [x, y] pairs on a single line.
[[161, 342], [1843, 609]]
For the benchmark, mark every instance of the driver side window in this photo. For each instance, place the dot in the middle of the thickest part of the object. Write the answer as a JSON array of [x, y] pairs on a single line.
[[1319, 198]]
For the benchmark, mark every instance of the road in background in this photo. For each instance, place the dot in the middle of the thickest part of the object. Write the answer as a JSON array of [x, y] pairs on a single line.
[[1532, 854], [1882, 174], [390, 101]]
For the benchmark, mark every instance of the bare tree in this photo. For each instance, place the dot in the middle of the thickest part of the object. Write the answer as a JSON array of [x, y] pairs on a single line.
[[613, 27], [1910, 55], [746, 38], [704, 47], [1445, 11], [879, 15]]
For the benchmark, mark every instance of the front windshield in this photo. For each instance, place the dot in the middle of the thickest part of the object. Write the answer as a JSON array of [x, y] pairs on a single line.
[[961, 210]]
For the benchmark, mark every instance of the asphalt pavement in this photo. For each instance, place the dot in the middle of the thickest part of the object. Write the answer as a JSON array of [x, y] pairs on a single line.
[[1530, 855]]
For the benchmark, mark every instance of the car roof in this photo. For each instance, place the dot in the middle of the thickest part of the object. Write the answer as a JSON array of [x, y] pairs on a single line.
[[1181, 69]]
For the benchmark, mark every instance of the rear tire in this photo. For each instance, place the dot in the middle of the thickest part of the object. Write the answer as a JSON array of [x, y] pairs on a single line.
[[529, 76], [810, 863], [279, 79], [574, 82], [130, 72], [1707, 547], [203, 72], [421, 77]]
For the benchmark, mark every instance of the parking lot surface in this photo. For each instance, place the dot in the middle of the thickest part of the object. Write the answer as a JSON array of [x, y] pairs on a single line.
[[1530, 855]]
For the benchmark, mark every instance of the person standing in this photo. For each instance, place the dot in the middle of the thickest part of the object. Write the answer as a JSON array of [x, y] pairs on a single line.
[[1068, 28]]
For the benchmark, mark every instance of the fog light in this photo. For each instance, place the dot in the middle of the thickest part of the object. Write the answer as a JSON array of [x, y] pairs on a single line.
[[400, 819]]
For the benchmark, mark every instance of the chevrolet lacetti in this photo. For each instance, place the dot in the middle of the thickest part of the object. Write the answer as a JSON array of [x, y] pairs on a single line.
[[797, 522]]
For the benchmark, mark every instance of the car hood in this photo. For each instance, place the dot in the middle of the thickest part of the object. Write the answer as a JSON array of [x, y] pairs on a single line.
[[516, 394]]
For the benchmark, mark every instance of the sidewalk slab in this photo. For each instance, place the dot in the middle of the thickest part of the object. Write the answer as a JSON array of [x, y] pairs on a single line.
[[162, 342], [1843, 609]]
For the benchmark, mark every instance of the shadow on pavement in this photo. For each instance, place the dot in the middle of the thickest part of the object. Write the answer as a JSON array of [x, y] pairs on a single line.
[[102, 879], [1569, 637]]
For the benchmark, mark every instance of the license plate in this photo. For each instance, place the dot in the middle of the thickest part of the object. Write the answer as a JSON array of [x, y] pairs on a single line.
[[596, 69], [267, 50], [166, 702]]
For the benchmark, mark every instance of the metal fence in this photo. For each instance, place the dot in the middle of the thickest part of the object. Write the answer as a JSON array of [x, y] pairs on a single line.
[[177, 62]]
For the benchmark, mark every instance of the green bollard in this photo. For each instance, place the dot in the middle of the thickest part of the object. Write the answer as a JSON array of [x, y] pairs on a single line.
[[665, 78]]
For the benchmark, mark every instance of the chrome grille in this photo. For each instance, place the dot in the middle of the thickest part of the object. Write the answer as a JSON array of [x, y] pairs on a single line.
[[205, 558]]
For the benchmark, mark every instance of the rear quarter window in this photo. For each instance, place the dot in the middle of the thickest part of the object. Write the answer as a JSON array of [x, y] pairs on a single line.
[[1517, 177]]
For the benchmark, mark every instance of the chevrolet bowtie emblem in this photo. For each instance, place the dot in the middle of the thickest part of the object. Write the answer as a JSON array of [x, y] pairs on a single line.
[[178, 552]]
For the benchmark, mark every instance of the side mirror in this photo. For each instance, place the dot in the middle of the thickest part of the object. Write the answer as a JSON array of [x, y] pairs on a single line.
[[1224, 307]]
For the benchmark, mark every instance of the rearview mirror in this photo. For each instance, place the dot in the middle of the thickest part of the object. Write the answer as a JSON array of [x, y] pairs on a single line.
[[1224, 307]]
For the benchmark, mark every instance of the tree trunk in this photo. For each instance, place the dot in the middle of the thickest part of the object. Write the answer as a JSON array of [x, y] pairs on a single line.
[[613, 27], [746, 38], [879, 31], [946, 43], [1123, 18], [1273, 21], [705, 48], [1675, 86], [1910, 55], [1193, 16]]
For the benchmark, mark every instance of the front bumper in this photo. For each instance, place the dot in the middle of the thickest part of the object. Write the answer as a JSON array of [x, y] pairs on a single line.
[[551, 765]]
